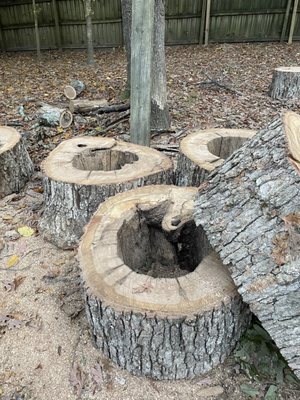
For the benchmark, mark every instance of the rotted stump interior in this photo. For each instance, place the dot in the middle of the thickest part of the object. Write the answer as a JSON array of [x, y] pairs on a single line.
[[203, 150], [16, 166], [159, 301], [285, 83], [83, 172]]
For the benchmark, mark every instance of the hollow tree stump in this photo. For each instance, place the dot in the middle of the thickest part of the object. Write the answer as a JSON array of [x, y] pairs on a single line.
[[250, 211], [285, 83], [203, 150], [82, 172], [16, 166], [159, 301]]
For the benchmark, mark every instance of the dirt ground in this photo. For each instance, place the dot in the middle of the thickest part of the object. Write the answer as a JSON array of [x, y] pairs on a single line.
[[46, 350]]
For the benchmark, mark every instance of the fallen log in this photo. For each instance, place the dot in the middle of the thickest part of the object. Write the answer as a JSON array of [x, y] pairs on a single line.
[[250, 211], [285, 83], [74, 90], [83, 172], [86, 106], [202, 151], [53, 116], [159, 303], [16, 167]]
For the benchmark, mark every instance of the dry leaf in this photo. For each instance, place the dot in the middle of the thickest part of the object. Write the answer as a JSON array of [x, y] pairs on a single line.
[[25, 231], [292, 219], [12, 261], [97, 377], [14, 284]]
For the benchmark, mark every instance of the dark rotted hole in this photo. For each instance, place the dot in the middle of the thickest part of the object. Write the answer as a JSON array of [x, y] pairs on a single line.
[[82, 145], [103, 159], [223, 147], [147, 249]]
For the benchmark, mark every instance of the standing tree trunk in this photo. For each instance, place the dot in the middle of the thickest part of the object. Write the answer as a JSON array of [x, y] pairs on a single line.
[[89, 31], [141, 71], [250, 211], [159, 109], [36, 28]]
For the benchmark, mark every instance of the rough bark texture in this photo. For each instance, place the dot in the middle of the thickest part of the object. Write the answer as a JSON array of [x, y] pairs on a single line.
[[203, 150], [49, 115], [242, 209], [16, 167], [73, 189], [163, 328], [160, 119], [285, 83], [87, 106]]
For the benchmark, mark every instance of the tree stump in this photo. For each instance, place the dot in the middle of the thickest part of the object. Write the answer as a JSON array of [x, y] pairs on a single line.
[[74, 90], [203, 150], [82, 172], [158, 299], [285, 83], [16, 167], [249, 210]]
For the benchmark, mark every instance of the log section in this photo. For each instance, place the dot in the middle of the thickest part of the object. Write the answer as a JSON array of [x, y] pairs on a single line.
[[285, 83], [203, 150], [159, 301], [82, 172], [86, 106], [74, 90], [250, 211], [16, 167]]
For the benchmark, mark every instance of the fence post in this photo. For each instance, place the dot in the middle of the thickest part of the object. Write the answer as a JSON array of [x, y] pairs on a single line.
[[36, 29], [2, 42]]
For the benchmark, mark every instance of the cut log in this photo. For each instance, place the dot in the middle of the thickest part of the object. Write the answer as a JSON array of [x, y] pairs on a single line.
[[248, 209], [82, 172], [203, 150], [16, 167], [74, 90], [159, 301], [285, 83], [65, 119], [86, 106], [52, 116]]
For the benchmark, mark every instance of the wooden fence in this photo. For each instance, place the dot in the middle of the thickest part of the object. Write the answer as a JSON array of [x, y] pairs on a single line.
[[62, 22]]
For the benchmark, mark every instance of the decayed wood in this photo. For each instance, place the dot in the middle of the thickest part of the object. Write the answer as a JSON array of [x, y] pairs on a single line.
[[285, 83], [16, 167], [82, 172], [87, 106], [161, 324], [74, 89], [248, 209], [202, 151]]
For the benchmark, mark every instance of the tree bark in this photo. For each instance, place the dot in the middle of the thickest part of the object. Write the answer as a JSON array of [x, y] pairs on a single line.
[[161, 327], [160, 119], [89, 31], [87, 106], [36, 28], [202, 151], [16, 167], [81, 173], [248, 209], [74, 90], [285, 83], [52, 116]]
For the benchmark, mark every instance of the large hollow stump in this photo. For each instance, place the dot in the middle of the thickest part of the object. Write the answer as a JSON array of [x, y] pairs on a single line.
[[285, 83], [83, 172], [16, 167], [158, 299], [249, 210], [203, 150]]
